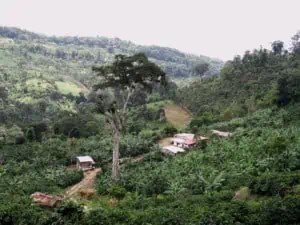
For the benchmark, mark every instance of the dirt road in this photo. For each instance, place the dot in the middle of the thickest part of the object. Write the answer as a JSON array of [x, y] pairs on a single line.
[[165, 142], [87, 182]]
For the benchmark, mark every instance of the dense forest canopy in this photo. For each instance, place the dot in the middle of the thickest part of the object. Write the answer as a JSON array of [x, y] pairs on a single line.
[[256, 80]]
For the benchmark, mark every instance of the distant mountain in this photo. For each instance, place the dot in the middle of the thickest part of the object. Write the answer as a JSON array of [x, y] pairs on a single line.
[[88, 51], [38, 71]]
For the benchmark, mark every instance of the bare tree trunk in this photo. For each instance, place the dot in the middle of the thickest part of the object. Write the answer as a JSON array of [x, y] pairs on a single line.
[[116, 153], [117, 120]]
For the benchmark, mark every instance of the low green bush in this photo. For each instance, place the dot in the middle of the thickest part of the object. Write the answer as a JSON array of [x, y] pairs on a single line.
[[279, 211], [169, 131], [69, 178], [117, 191], [274, 184], [156, 184]]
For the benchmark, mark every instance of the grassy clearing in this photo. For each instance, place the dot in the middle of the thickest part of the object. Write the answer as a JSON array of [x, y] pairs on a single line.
[[177, 116], [68, 87]]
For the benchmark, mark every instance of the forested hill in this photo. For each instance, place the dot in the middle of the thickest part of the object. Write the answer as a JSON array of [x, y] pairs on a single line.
[[87, 51], [37, 70], [259, 79]]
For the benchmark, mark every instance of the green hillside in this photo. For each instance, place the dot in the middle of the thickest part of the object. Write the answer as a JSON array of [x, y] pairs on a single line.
[[257, 80], [58, 70], [250, 177], [74, 56]]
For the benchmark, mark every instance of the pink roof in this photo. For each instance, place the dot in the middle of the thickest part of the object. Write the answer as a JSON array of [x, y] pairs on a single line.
[[189, 142], [185, 136]]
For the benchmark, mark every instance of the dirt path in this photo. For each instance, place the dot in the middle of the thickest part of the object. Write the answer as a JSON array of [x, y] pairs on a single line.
[[165, 142], [87, 182], [177, 116], [138, 159]]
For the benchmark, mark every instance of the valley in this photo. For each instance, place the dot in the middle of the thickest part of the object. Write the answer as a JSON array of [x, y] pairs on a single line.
[[84, 120]]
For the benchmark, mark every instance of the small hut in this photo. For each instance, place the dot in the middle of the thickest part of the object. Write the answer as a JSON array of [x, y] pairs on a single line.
[[85, 163], [184, 140]]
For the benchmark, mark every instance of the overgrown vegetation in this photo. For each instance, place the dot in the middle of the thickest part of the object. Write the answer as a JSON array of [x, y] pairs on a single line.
[[251, 178]]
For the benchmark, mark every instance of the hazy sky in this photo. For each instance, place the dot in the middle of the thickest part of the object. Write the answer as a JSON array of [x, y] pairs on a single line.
[[218, 28]]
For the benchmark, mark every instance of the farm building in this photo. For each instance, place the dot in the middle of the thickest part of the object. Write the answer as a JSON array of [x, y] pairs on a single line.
[[184, 140], [203, 138], [46, 200], [185, 136], [171, 150], [181, 142], [178, 142], [85, 163], [221, 133]]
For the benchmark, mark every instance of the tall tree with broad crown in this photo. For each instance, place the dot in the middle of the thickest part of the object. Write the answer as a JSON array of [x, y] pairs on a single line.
[[123, 76]]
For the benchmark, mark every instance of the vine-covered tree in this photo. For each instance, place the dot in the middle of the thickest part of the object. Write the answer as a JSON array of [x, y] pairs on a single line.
[[277, 47], [124, 76], [296, 43], [200, 69]]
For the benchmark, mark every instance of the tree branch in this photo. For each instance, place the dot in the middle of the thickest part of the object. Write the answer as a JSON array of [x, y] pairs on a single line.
[[130, 93]]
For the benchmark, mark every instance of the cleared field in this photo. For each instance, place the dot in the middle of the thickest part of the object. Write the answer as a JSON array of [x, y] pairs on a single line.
[[177, 116]]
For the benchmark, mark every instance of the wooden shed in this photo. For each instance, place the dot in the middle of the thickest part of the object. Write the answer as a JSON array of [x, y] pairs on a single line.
[[85, 163]]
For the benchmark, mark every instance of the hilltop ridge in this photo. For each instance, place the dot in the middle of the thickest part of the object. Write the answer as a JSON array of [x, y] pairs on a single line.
[[100, 50]]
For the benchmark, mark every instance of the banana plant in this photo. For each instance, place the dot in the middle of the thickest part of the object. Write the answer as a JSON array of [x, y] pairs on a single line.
[[175, 188], [212, 182]]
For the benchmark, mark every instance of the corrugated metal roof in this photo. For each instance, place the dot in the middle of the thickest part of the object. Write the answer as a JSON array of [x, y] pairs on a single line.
[[221, 133], [184, 141], [173, 149], [178, 140], [85, 159], [190, 142], [185, 136]]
